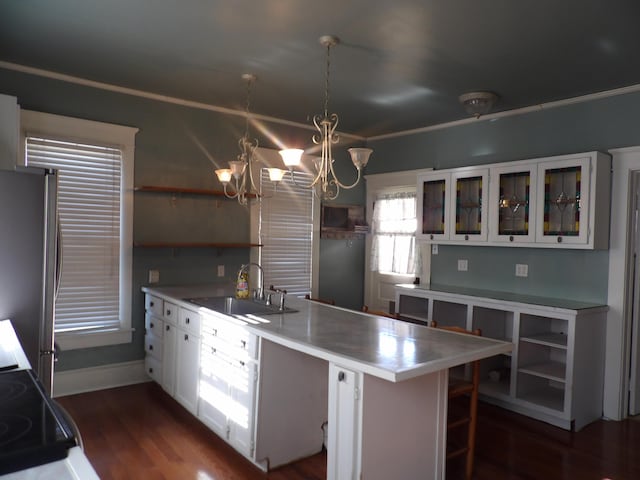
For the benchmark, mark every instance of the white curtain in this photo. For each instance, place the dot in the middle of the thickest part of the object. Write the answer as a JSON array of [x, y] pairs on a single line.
[[394, 234]]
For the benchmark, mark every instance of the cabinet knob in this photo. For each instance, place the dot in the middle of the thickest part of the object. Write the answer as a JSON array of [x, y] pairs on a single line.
[[341, 376], [168, 312], [151, 325], [466, 237], [559, 239], [150, 370], [167, 327], [150, 347], [151, 304], [187, 320], [186, 337], [431, 236], [511, 238]]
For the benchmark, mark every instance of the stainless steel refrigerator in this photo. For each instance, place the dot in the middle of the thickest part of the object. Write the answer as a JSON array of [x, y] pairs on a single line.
[[28, 262]]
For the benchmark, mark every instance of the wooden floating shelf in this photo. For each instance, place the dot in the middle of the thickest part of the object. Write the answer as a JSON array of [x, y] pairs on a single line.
[[194, 245], [189, 191]]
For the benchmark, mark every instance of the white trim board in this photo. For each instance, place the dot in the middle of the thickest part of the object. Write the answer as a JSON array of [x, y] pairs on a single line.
[[70, 382]]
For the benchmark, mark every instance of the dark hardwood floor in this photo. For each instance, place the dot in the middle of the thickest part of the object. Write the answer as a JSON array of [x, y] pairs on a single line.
[[139, 432]]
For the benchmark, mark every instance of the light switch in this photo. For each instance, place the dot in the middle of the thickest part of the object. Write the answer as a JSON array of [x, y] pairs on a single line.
[[154, 276], [463, 265], [522, 270], [434, 249]]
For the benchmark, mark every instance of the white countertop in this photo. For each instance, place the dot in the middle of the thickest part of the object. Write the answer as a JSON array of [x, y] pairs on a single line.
[[383, 347]]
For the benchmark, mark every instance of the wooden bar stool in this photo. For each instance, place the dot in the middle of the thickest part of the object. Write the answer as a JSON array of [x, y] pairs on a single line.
[[320, 300], [459, 387], [381, 313]]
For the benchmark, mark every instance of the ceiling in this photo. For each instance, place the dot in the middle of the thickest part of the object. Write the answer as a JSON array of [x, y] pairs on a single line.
[[400, 65]]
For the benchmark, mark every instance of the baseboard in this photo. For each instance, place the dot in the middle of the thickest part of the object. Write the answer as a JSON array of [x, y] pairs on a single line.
[[70, 382]]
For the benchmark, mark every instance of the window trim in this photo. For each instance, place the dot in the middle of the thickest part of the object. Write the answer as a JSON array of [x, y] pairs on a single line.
[[122, 137]]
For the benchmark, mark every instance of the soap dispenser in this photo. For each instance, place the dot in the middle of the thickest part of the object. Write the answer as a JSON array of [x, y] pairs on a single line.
[[242, 284]]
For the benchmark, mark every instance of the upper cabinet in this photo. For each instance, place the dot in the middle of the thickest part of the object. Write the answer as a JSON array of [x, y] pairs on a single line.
[[560, 202], [513, 203], [434, 205], [469, 200], [574, 194]]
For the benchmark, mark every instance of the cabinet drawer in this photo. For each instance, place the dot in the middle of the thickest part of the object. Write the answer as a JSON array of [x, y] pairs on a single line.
[[153, 367], [153, 325], [153, 346], [235, 337], [170, 312], [153, 304], [190, 320]]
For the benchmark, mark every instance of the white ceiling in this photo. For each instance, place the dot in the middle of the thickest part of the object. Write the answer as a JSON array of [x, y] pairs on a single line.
[[400, 65]]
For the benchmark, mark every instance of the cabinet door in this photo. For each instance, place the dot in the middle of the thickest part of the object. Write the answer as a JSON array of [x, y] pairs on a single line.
[[512, 203], [433, 206], [241, 421], [187, 370], [469, 198], [169, 359], [563, 194], [345, 424]]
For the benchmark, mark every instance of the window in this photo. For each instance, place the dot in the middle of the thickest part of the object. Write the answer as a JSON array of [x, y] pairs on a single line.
[[392, 255], [94, 163], [286, 230], [393, 246]]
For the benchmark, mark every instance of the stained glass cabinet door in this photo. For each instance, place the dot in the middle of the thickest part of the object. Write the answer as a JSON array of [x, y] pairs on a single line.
[[433, 206], [512, 203], [563, 194], [469, 197]]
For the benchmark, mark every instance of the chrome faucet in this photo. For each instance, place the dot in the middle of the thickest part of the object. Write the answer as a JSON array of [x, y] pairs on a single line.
[[258, 294]]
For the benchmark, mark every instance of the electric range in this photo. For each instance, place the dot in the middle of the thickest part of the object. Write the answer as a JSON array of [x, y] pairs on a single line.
[[33, 431]]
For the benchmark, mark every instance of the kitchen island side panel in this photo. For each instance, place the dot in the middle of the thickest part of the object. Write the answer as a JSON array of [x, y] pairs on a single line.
[[404, 427]]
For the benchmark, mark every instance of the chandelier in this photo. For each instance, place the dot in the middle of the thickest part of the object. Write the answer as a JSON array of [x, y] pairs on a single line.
[[325, 183], [240, 171]]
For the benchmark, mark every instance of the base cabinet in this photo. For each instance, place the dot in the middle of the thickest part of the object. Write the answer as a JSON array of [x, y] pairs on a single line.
[[555, 371]]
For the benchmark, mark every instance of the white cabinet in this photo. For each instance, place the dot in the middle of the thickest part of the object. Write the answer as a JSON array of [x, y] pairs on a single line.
[[228, 374], [573, 197], [345, 424], [187, 361], [469, 201], [153, 344], [9, 132], [433, 207], [512, 197], [452, 205], [169, 355], [555, 371], [552, 202]]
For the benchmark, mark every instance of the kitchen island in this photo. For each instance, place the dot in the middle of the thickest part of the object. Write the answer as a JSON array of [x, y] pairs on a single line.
[[379, 383]]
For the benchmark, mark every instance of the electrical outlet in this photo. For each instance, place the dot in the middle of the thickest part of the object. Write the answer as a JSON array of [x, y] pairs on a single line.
[[434, 249], [221, 270], [154, 276], [463, 265], [522, 270]]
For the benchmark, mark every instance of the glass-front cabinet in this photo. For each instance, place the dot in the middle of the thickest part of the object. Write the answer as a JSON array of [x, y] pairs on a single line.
[[512, 200], [563, 188], [469, 198], [433, 206]]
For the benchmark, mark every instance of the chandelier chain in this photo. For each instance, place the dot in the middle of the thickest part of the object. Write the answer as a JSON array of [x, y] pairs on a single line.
[[326, 81]]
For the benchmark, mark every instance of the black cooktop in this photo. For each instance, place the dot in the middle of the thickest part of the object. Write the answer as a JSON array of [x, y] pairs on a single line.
[[32, 430]]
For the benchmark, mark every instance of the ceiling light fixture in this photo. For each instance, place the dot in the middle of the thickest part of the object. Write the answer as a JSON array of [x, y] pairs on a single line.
[[478, 103], [326, 184], [241, 169]]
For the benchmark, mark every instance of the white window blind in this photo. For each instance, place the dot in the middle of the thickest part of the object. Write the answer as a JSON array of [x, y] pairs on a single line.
[[89, 186], [393, 248], [286, 231]]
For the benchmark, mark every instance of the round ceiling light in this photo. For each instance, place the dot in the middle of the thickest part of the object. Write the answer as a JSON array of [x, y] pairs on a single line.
[[478, 103]]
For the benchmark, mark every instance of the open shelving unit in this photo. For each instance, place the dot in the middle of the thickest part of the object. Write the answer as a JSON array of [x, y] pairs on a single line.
[[555, 371], [183, 190]]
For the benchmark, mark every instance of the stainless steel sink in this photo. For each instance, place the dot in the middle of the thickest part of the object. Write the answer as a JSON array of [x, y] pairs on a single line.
[[237, 306]]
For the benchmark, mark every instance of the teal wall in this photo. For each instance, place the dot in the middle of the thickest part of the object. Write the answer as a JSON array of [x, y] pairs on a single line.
[[596, 125], [177, 146]]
